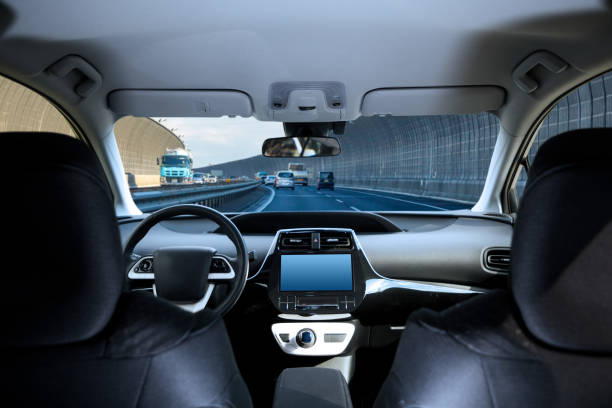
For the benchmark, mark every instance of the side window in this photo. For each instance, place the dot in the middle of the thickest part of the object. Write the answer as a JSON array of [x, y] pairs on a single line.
[[589, 106], [22, 109]]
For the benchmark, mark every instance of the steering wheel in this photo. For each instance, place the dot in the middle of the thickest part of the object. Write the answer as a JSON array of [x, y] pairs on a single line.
[[186, 275]]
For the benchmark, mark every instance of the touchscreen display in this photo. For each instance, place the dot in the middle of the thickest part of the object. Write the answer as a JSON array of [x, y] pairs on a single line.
[[317, 272]]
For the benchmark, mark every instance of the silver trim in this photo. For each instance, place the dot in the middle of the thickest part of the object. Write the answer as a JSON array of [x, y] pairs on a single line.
[[197, 306], [132, 274], [388, 282], [336, 316], [320, 347], [382, 284]]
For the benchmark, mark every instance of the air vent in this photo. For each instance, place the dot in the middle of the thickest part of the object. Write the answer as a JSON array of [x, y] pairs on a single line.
[[296, 241], [335, 242], [497, 259]]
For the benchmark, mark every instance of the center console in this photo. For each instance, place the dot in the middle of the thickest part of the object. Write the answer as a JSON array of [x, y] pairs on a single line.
[[316, 278], [315, 271]]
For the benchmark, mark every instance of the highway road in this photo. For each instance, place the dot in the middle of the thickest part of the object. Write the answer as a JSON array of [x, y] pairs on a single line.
[[345, 199]]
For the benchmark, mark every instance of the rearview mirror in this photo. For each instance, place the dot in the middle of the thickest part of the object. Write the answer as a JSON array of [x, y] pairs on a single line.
[[301, 147]]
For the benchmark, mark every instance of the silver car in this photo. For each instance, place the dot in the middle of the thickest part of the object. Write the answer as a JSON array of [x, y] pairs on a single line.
[[270, 180], [284, 179]]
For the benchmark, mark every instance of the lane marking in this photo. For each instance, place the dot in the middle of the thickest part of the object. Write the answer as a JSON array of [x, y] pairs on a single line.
[[267, 202], [340, 201], [404, 201], [327, 195], [354, 208]]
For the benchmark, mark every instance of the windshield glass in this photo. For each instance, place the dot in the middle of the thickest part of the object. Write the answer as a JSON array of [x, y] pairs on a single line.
[[178, 161], [426, 163], [285, 174]]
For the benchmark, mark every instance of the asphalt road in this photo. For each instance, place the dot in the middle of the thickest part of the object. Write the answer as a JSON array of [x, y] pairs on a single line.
[[345, 199]]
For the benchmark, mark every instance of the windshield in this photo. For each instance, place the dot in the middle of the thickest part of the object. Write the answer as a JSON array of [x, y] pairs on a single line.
[[425, 163], [177, 161]]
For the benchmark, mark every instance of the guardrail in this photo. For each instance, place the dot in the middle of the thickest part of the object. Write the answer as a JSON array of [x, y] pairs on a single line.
[[210, 196]]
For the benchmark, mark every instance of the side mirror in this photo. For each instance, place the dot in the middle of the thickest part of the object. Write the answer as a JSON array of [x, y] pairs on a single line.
[[312, 146]]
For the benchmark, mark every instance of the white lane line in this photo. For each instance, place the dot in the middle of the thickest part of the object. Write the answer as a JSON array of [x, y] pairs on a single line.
[[267, 202], [354, 208], [327, 195], [340, 201], [404, 201]]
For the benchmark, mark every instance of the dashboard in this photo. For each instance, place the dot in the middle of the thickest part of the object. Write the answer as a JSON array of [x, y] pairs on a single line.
[[324, 278]]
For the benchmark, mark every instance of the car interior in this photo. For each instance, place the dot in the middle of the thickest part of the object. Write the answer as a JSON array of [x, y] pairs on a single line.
[[363, 286]]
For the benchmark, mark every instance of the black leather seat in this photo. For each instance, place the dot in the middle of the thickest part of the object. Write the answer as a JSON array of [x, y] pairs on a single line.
[[548, 343], [70, 336]]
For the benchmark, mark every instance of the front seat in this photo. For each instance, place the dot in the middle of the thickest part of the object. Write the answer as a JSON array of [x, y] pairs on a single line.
[[70, 335], [548, 343]]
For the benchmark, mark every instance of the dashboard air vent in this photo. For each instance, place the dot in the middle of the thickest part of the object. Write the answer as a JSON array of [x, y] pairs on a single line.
[[335, 242], [497, 259], [296, 241]]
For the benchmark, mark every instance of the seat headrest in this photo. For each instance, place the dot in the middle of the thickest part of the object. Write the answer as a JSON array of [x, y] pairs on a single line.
[[562, 244], [62, 273]]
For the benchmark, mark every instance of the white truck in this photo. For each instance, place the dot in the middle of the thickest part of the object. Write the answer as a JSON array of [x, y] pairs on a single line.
[[300, 173]]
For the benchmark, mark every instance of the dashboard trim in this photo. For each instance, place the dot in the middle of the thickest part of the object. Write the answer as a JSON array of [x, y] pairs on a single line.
[[423, 286]]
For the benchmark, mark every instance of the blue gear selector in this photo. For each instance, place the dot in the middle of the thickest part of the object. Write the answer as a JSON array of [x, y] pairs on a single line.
[[306, 338]]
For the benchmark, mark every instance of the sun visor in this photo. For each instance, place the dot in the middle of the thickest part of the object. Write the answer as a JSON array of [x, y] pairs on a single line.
[[180, 103], [432, 101]]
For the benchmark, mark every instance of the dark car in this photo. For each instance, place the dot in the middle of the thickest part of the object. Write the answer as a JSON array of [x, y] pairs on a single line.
[[326, 180]]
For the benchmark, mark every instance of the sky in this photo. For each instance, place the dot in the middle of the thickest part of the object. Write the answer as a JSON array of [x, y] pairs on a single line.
[[219, 140]]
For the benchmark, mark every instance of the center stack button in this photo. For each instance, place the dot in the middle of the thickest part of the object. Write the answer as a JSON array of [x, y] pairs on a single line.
[[305, 338]]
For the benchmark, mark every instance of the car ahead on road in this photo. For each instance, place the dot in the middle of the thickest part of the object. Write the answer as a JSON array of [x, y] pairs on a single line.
[[261, 176], [284, 179], [211, 179], [270, 180], [198, 178], [467, 266], [326, 180]]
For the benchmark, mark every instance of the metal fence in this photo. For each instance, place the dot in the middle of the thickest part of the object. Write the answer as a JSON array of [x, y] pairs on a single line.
[[211, 196]]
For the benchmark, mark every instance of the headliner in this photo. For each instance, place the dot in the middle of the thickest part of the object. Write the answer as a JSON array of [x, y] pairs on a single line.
[[247, 45]]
